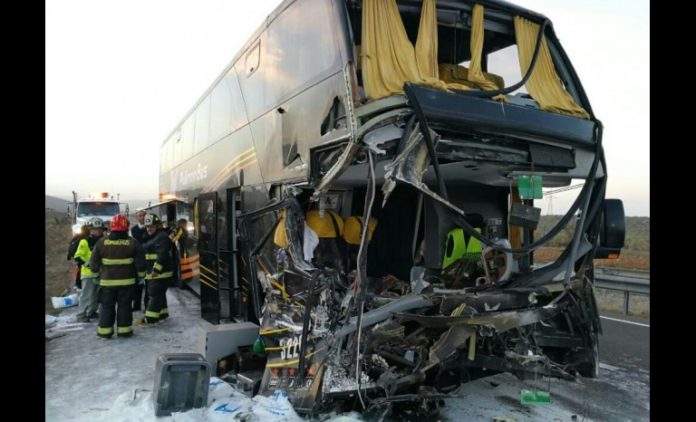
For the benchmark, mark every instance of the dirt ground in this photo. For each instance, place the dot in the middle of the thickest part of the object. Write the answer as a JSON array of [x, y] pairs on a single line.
[[629, 260], [58, 268]]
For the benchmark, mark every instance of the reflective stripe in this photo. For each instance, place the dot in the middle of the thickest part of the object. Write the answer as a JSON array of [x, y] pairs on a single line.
[[189, 266], [119, 282], [150, 256], [124, 261], [157, 266], [186, 276], [189, 259], [117, 242], [164, 311], [141, 274], [152, 314], [105, 330], [85, 272], [124, 330], [210, 280], [162, 275]]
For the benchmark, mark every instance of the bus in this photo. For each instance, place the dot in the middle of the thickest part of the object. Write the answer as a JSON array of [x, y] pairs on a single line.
[[361, 180]]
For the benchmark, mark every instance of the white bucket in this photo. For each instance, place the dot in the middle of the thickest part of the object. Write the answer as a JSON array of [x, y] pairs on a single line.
[[66, 301]]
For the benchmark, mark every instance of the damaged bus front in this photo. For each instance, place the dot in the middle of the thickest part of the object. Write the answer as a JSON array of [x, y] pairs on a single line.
[[379, 216]]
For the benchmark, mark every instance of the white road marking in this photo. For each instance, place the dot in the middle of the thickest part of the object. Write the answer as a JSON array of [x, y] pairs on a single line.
[[627, 322], [608, 367]]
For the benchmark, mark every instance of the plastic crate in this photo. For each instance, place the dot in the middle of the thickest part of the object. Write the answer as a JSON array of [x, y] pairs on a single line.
[[181, 383]]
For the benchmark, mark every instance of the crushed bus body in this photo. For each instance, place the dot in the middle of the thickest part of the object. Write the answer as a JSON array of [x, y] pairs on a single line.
[[362, 187]]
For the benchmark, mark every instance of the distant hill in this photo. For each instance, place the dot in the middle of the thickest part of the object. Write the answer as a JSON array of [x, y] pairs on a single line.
[[637, 232], [56, 204]]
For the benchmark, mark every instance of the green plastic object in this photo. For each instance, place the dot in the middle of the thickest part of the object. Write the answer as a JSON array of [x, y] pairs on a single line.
[[535, 397], [529, 187], [455, 247], [259, 347], [473, 248]]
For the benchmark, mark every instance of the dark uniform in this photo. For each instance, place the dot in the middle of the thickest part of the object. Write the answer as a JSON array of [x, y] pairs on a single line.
[[160, 270], [120, 260], [140, 234]]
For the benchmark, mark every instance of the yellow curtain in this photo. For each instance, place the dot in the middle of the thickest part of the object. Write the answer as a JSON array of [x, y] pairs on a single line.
[[476, 46], [543, 85], [426, 44], [388, 57]]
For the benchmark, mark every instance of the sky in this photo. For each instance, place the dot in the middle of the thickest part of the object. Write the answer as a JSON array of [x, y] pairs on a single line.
[[121, 74]]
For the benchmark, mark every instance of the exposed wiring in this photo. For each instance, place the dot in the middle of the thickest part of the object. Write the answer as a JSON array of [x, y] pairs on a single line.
[[362, 268]]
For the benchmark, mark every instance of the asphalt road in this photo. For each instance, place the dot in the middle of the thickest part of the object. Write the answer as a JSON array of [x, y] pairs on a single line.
[[620, 393], [625, 344]]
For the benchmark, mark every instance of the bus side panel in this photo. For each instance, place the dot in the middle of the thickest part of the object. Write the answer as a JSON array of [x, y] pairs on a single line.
[[290, 77], [283, 139], [230, 162]]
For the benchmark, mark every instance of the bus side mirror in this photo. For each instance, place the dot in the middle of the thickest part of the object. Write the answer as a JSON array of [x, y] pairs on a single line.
[[612, 231]]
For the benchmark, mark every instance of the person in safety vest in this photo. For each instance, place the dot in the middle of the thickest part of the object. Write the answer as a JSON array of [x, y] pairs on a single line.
[[159, 269], [90, 280], [72, 248], [120, 261]]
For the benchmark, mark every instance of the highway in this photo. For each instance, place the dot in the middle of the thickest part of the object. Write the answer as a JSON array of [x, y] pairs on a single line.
[[621, 393]]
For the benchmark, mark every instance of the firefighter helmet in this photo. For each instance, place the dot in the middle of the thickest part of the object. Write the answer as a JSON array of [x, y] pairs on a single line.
[[119, 223], [95, 223], [152, 220]]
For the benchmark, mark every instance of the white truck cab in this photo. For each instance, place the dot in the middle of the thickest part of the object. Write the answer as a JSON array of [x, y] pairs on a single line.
[[101, 205]]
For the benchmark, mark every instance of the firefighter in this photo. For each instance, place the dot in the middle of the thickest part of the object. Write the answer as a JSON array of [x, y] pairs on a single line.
[[159, 270], [90, 280], [140, 234], [120, 261]]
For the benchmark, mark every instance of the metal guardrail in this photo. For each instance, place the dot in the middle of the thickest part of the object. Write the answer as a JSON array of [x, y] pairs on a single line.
[[625, 281]]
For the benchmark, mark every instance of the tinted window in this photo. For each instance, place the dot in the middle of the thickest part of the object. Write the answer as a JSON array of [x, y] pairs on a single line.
[[227, 108], [166, 155], [294, 53], [202, 117], [183, 144]]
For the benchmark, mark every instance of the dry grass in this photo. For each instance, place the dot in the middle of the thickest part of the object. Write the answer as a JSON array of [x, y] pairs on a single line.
[[629, 260], [612, 301], [58, 268]]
